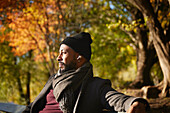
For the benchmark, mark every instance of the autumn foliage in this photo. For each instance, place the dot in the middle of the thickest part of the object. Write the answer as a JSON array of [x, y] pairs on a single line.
[[37, 26]]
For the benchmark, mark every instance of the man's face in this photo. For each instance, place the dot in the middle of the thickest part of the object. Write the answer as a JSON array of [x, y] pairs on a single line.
[[67, 58]]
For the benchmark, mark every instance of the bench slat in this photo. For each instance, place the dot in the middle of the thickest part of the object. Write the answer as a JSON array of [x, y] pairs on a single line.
[[11, 108]]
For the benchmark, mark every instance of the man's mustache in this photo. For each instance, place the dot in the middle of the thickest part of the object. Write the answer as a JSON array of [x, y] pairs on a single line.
[[61, 63]]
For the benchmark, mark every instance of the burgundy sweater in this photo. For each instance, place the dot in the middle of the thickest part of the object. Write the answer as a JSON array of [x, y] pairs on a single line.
[[51, 106]]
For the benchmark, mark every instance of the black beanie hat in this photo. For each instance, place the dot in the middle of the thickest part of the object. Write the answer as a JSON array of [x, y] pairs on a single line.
[[80, 43]]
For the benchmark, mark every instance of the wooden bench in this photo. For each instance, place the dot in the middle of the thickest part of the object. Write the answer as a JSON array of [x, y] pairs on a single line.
[[11, 108]]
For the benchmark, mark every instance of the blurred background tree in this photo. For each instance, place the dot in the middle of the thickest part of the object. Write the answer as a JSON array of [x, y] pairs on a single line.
[[156, 14], [123, 47]]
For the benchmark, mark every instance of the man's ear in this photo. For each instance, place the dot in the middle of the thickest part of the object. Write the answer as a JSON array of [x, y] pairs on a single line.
[[80, 61]]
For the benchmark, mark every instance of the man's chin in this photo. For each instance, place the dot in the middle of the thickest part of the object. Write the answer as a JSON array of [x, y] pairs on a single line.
[[62, 70], [65, 70]]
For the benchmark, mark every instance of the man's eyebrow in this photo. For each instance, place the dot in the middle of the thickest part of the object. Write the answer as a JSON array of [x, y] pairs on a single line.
[[63, 50]]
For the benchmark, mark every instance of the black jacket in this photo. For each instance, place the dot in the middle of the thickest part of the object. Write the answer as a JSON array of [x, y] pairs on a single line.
[[97, 97]]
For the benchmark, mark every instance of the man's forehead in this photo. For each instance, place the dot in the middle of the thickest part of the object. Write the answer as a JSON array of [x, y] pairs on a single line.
[[64, 47]]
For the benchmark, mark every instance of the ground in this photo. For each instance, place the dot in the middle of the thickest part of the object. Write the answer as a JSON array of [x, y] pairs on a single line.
[[158, 105]]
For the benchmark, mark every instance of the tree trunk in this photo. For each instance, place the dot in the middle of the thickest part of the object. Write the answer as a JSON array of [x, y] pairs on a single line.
[[22, 96], [158, 38], [27, 98], [145, 52], [28, 80], [20, 89], [146, 59]]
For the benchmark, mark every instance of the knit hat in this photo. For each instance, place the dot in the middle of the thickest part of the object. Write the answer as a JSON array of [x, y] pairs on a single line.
[[80, 43]]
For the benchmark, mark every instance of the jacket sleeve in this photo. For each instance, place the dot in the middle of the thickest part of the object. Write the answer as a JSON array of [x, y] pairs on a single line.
[[111, 99]]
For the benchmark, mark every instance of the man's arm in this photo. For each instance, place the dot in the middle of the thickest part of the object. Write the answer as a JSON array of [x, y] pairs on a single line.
[[121, 102]]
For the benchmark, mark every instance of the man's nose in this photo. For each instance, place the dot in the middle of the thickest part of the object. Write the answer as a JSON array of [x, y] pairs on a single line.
[[59, 58]]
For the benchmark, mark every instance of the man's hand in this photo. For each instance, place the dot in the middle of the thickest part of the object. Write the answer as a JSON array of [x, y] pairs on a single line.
[[137, 107]]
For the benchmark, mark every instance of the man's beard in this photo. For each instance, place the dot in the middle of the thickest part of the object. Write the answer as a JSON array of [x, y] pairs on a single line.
[[68, 67]]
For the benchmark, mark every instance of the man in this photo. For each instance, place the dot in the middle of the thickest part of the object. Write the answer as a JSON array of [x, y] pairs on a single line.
[[74, 89]]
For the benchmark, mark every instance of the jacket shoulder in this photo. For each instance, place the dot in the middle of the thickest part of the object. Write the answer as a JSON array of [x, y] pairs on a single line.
[[96, 81], [92, 95]]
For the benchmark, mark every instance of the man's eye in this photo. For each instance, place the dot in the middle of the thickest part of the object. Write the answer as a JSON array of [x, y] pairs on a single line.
[[64, 52]]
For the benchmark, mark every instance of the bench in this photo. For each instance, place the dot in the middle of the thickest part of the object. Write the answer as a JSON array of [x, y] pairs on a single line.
[[14, 108], [11, 108]]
